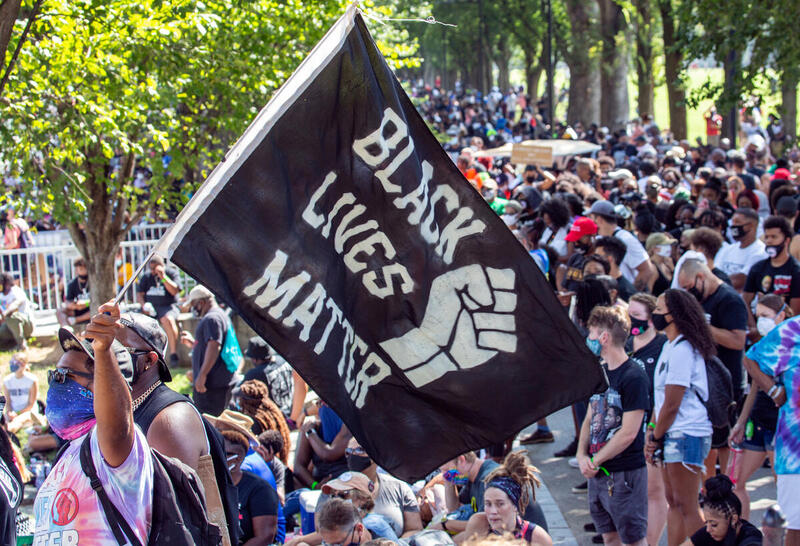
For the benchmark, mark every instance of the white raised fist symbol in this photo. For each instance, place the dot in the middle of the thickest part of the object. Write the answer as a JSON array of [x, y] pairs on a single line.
[[468, 319]]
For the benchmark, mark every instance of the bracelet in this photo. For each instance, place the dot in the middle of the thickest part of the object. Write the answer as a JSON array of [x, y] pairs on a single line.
[[651, 425], [600, 467], [772, 390], [314, 485]]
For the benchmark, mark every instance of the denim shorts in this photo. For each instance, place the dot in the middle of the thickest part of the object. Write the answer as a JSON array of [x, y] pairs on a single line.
[[761, 439], [689, 450]]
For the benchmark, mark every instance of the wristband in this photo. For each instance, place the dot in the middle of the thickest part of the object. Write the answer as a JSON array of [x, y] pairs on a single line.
[[651, 425], [772, 390], [314, 485], [600, 467]]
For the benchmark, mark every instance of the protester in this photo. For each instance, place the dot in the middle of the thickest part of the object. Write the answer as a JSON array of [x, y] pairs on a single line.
[[89, 400], [76, 299], [339, 523], [509, 488], [613, 250], [21, 389], [680, 437], [273, 371], [211, 376], [252, 399], [737, 259], [322, 445], [15, 320], [270, 446], [159, 287], [724, 523], [611, 442]]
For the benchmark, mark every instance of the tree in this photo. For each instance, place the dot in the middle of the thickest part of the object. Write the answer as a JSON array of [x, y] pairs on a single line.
[[644, 18], [614, 106], [106, 90], [527, 28], [577, 39], [673, 66]]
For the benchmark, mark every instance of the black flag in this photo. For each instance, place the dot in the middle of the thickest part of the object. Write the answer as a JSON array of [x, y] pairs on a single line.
[[343, 234]]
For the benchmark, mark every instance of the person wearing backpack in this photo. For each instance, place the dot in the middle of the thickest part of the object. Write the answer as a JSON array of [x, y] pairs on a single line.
[[173, 425], [210, 373], [89, 400], [680, 436]]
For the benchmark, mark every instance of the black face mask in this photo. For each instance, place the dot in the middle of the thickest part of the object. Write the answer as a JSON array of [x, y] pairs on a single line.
[[358, 463], [698, 294], [83, 278], [638, 326], [773, 251], [738, 232], [582, 248], [660, 321], [530, 179]]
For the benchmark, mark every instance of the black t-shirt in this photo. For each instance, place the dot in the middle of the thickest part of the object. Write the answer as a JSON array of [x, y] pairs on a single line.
[[647, 358], [748, 535], [212, 327], [77, 290], [721, 275], [627, 391], [764, 412], [256, 498], [625, 288], [574, 273], [784, 281], [729, 312], [154, 290]]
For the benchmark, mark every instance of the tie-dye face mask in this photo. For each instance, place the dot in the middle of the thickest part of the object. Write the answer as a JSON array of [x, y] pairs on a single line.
[[70, 409]]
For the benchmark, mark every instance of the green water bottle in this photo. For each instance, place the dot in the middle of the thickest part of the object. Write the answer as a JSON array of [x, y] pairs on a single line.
[[748, 430]]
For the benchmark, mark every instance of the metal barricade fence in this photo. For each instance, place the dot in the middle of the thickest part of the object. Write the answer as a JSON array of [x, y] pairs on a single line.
[[44, 272]]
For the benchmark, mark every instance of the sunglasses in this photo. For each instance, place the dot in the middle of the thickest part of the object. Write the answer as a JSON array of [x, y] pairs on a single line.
[[59, 375], [355, 451]]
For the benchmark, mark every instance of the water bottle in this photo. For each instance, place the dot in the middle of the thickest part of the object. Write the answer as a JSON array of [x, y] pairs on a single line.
[[736, 450], [773, 526], [38, 472]]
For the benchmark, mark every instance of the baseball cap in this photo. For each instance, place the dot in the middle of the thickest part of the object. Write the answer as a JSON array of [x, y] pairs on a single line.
[[620, 174], [70, 342], [199, 292], [258, 349], [580, 227], [786, 206], [658, 238], [603, 208], [782, 174], [348, 481], [152, 334]]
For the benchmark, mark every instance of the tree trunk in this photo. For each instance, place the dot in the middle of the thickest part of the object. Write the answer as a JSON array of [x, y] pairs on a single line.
[[729, 118], [676, 94], [614, 106], [9, 11], [789, 83], [502, 59], [533, 74], [584, 79], [644, 57]]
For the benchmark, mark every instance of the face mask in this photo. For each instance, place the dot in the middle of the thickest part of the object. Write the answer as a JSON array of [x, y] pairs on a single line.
[[83, 277], [530, 179], [509, 219], [594, 346], [738, 232], [454, 477], [231, 462], [659, 321], [697, 293], [664, 250], [14, 365], [638, 326], [70, 409], [774, 250], [581, 248], [765, 325], [358, 463]]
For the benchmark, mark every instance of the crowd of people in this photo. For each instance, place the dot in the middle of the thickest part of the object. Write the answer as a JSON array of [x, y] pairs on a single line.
[[678, 262]]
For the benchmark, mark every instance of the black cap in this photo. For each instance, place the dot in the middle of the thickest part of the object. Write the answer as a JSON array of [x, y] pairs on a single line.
[[786, 206], [70, 342], [258, 349], [153, 334]]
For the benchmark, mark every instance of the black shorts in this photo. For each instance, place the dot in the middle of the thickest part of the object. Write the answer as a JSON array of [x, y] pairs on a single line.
[[719, 438], [170, 310]]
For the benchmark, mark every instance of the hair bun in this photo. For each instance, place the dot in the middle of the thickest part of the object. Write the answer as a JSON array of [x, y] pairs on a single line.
[[718, 487]]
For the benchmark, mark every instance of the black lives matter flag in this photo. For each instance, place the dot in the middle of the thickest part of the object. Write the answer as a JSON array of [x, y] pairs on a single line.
[[344, 235]]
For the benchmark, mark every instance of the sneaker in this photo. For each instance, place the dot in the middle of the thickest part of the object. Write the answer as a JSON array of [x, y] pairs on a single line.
[[538, 437], [589, 528], [568, 451], [581, 488], [573, 462], [597, 539]]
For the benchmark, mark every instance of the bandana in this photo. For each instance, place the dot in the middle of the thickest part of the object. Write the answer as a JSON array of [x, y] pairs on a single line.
[[507, 486]]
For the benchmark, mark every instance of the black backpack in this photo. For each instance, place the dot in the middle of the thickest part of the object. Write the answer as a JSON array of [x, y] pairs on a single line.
[[720, 405], [178, 513]]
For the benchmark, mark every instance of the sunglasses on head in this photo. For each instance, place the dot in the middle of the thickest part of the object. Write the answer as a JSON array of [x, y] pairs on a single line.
[[59, 375], [355, 451]]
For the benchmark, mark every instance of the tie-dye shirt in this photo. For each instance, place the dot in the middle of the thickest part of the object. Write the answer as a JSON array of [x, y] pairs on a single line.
[[778, 355], [67, 510]]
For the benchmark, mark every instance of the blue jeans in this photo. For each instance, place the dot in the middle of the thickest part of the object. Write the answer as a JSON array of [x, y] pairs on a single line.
[[291, 506]]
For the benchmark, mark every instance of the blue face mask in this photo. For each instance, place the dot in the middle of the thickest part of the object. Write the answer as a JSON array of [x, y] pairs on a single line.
[[70, 409], [594, 346], [454, 477], [13, 366]]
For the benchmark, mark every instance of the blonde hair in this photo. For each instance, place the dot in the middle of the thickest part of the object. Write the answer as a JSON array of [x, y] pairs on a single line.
[[613, 319]]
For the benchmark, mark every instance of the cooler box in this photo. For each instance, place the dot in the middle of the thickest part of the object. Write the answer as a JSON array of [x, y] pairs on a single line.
[[308, 506]]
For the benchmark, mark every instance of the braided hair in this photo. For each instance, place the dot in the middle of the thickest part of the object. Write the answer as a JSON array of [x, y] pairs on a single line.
[[517, 467], [720, 497], [256, 403]]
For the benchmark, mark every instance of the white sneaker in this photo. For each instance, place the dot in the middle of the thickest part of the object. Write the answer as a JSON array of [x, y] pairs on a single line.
[[573, 462]]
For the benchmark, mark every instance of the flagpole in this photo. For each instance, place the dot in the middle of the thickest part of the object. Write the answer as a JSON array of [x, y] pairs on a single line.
[[133, 277]]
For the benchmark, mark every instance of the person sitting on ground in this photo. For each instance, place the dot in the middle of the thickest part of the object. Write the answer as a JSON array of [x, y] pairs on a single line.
[[339, 523], [160, 289], [258, 501], [76, 299], [509, 489], [273, 371], [465, 487], [722, 511], [89, 400], [252, 399], [15, 321], [320, 452], [270, 445], [21, 388]]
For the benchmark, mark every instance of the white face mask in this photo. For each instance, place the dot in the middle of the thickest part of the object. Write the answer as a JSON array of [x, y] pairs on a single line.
[[664, 250], [509, 219], [765, 325]]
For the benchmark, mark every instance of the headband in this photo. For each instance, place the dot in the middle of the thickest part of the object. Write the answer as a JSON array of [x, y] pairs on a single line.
[[508, 486]]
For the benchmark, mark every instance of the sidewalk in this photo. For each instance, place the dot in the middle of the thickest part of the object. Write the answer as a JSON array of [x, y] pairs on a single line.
[[568, 511]]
